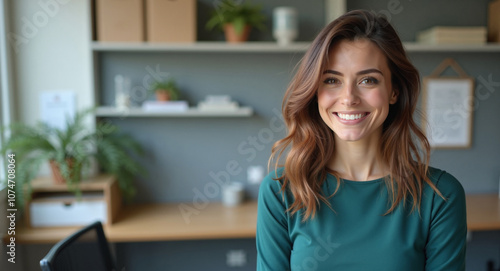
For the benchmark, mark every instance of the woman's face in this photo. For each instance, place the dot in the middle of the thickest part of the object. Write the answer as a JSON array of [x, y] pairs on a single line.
[[355, 90]]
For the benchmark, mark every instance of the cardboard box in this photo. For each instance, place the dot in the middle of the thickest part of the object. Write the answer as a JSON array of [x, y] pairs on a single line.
[[453, 35], [494, 21], [120, 20], [171, 20]]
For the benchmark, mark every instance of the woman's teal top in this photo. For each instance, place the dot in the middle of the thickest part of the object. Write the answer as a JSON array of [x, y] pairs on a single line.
[[356, 235]]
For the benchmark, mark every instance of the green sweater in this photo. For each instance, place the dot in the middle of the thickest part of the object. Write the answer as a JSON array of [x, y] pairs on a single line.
[[356, 235]]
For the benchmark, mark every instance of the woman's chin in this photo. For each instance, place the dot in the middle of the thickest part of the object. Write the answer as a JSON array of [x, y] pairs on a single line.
[[349, 137]]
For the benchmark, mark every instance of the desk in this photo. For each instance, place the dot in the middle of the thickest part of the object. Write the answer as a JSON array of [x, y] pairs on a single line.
[[161, 222], [164, 222], [483, 212]]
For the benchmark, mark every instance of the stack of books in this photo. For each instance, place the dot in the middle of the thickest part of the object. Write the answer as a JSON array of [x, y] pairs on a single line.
[[218, 103], [170, 106], [453, 35]]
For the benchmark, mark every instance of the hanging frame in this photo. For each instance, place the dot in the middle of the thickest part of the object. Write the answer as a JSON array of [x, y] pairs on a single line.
[[448, 105]]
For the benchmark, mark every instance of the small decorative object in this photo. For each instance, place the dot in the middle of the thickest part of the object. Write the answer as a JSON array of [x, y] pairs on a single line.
[[165, 90], [236, 19], [285, 25], [122, 92], [233, 194], [448, 105], [70, 151]]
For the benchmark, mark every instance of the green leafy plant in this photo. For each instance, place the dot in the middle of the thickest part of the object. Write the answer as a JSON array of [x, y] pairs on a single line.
[[240, 15], [168, 86], [72, 150]]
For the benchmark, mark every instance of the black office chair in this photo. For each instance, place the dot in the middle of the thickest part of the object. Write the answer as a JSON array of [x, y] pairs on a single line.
[[86, 249]]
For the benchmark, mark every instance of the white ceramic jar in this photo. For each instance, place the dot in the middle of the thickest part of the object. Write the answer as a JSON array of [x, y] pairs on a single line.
[[285, 25]]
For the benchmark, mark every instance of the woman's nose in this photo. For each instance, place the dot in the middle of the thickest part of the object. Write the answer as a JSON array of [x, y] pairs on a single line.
[[350, 95]]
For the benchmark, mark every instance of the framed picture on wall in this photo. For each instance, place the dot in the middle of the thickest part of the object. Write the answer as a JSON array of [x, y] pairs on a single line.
[[448, 107]]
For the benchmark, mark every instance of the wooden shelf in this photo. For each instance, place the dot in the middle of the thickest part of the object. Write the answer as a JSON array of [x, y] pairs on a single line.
[[43, 189], [109, 111], [270, 47], [220, 47], [46, 184], [472, 48]]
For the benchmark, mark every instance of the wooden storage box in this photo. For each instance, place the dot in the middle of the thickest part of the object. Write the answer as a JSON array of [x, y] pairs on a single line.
[[171, 20], [494, 21], [52, 205], [120, 20]]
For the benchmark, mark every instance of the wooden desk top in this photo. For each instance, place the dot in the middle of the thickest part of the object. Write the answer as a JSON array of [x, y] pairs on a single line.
[[483, 212], [164, 222]]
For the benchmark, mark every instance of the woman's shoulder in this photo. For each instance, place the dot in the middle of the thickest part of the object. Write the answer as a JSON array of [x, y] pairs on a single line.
[[271, 193], [446, 183], [272, 182]]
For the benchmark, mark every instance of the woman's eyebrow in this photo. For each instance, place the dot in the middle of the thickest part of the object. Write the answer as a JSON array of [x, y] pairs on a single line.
[[358, 73]]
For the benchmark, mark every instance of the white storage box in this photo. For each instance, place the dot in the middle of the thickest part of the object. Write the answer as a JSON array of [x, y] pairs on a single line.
[[55, 211], [52, 205]]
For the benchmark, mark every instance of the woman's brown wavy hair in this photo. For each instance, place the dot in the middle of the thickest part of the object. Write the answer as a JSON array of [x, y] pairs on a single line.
[[310, 142]]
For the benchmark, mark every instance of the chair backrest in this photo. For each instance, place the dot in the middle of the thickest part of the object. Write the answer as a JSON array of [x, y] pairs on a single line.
[[86, 249]]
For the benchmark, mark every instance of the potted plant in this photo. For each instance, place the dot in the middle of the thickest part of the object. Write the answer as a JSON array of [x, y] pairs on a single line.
[[165, 90], [70, 151], [236, 20]]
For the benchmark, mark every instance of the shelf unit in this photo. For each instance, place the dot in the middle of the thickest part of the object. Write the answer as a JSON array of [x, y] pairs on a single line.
[[270, 47], [202, 47], [109, 111], [247, 47]]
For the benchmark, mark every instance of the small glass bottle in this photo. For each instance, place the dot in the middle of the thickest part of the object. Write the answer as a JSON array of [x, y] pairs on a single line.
[[122, 92]]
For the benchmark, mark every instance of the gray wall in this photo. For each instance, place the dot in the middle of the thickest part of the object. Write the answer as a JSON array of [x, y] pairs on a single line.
[[182, 152]]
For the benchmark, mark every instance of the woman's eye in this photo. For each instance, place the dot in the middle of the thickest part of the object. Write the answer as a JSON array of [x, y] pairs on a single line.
[[369, 81], [331, 81]]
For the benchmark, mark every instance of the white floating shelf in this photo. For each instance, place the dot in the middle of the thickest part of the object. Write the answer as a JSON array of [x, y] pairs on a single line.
[[216, 46], [269, 47], [473, 48], [110, 111]]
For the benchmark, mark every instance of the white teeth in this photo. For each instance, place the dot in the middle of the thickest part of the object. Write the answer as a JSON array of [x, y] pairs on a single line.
[[351, 116]]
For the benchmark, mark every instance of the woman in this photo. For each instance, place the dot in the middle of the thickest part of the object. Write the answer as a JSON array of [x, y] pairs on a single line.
[[356, 191]]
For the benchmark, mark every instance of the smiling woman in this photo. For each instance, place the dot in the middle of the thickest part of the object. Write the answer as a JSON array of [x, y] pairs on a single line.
[[356, 191]]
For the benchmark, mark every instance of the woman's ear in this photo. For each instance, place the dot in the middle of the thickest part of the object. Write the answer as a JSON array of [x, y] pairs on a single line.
[[394, 96]]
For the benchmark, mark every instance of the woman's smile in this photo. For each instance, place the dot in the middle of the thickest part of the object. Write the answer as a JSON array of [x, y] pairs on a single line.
[[351, 117]]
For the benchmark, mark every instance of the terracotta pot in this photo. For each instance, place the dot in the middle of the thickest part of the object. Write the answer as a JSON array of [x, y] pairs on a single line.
[[56, 172], [231, 35], [162, 96]]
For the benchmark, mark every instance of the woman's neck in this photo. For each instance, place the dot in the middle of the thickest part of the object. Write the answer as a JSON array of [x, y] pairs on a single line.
[[358, 160]]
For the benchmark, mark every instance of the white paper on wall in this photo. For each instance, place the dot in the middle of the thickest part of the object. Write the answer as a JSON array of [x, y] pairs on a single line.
[[56, 107]]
